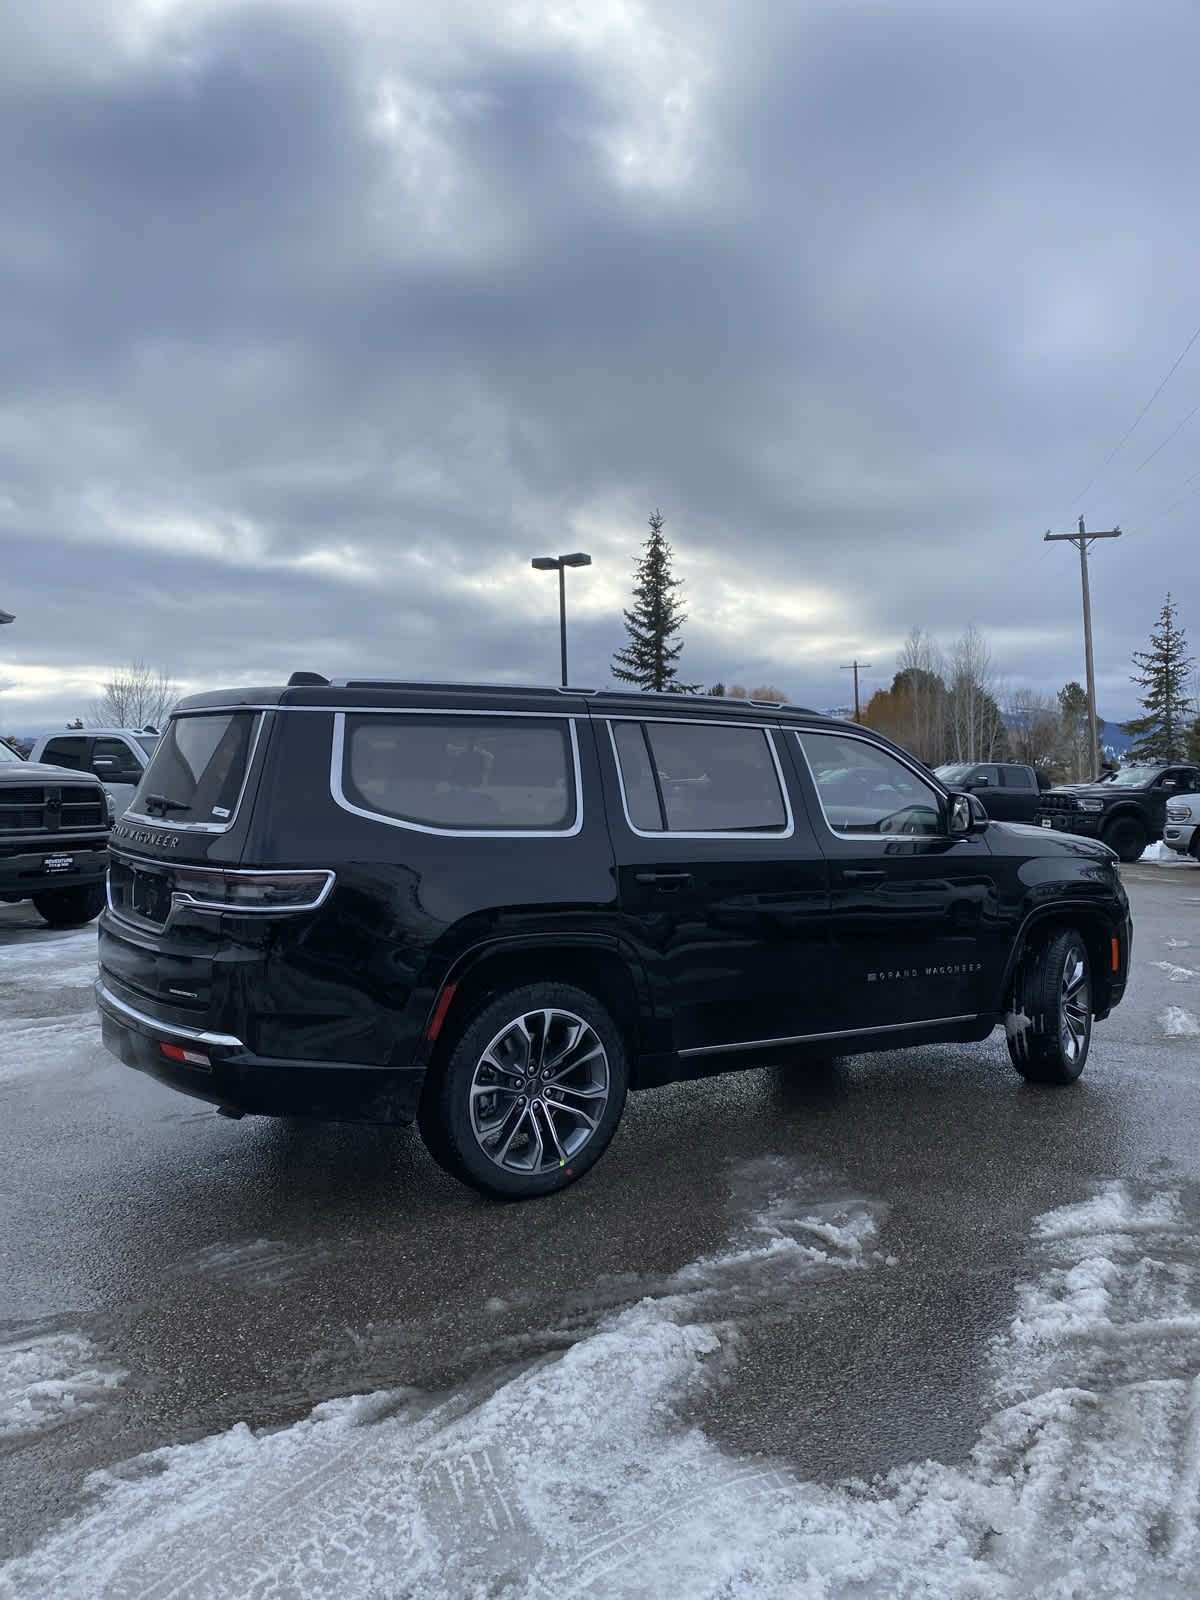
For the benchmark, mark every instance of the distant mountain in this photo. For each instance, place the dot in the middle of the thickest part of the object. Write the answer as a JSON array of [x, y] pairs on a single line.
[[1116, 744]]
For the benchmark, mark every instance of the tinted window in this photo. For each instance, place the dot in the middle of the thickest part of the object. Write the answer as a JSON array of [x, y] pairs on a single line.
[[113, 756], [461, 772], [711, 779], [863, 789], [64, 753], [198, 768], [1017, 778], [987, 776]]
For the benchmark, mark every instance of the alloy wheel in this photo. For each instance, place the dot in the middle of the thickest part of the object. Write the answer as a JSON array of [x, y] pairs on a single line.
[[1075, 1004], [539, 1091]]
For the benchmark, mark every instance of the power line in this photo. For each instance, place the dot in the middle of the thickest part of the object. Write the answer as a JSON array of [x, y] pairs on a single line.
[[1177, 429], [1113, 452]]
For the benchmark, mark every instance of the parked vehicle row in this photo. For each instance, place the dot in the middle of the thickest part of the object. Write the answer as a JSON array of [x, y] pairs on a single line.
[[493, 911], [1128, 810], [117, 756]]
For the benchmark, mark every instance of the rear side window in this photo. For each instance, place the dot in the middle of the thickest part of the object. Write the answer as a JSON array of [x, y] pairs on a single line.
[[475, 774], [1017, 778], [64, 753], [695, 777], [198, 768]]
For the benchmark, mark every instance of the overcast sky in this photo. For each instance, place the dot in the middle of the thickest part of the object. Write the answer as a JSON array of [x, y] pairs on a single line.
[[319, 319]]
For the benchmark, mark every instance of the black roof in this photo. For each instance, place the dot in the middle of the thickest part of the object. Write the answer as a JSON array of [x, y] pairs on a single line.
[[312, 689]]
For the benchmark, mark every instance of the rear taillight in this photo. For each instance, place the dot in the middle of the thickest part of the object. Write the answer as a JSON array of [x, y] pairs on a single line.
[[215, 889]]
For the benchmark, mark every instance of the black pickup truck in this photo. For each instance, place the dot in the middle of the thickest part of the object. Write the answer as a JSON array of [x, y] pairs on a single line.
[[54, 827], [1127, 811], [1010, 790]]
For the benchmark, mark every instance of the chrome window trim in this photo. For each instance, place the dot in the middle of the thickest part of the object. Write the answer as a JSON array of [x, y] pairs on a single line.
[[879, 840], [737, 833], [337, 760], [166, 1030], [818, 1038], [209, 827], [549, 714]]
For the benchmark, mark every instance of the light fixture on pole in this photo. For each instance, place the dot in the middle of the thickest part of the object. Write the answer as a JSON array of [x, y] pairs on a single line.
[[559, 564]]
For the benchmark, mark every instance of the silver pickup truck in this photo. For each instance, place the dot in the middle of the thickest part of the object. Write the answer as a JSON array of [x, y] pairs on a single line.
[[1182, 829]]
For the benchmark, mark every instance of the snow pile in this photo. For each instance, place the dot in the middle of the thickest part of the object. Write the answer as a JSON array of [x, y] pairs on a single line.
[[1174, 973], [51, 956], [581, 1475], [36, 1046], [1178, 1022], [50, 1380], [1160, 854]]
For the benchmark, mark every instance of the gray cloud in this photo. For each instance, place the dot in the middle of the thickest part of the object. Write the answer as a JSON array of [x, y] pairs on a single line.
[[317, 323]]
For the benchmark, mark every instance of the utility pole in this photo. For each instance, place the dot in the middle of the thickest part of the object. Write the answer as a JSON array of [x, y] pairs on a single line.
[[854, 667], [1081, 540]]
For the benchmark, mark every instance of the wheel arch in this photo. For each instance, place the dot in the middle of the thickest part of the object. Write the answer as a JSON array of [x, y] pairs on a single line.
[[599, 967], [1097, 932], [1126, 811]]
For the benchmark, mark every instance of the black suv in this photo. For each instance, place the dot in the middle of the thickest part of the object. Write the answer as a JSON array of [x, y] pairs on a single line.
[[492, 910]]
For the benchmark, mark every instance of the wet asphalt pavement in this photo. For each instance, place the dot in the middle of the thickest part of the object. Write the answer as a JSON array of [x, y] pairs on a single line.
[[245, 1271]]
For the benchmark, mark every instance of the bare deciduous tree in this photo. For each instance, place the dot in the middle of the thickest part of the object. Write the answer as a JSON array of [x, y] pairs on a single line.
[[135, 696], [1035, 733], [922, 672], [976, 726]]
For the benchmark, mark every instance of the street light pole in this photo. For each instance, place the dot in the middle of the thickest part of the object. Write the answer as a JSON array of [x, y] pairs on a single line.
[[1081, 540], [578, 558]]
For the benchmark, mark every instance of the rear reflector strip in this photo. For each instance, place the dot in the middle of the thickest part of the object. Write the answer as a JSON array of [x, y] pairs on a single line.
[[1116, 955], [193, 1058]]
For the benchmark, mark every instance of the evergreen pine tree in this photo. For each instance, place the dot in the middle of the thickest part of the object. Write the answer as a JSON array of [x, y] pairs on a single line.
[[1161, 735], [648, 660]]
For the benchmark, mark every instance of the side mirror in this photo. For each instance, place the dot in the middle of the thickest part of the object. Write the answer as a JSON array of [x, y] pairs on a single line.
[[981, 782], [967, 816]]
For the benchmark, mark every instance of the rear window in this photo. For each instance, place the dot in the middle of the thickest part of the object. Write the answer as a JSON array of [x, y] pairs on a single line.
[[198, 768], [475, 774], [699, 778]]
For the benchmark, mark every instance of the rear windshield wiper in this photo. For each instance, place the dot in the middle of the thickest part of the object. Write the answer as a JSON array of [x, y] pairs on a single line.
[[160, 803]]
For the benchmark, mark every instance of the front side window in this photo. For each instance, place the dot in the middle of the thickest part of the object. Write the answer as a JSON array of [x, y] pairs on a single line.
[[468, 773], [693, 777], [113, 758], [863, 789]]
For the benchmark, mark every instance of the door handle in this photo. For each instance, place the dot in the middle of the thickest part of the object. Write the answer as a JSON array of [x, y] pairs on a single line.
[[666, 880], [874, 875]]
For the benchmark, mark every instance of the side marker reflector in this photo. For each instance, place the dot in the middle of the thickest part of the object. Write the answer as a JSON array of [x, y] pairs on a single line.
[[440, 1010]]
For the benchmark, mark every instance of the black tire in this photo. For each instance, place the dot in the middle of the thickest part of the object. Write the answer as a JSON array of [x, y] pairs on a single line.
[[529, 1094], [70, 908], [1127, 836], [1049, 1023]]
